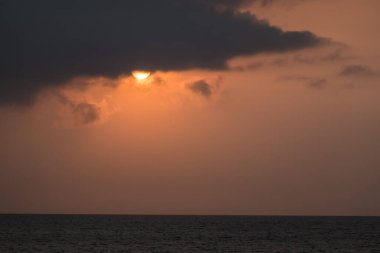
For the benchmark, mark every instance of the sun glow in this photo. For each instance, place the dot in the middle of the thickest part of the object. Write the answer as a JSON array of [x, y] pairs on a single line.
[[140, 75]]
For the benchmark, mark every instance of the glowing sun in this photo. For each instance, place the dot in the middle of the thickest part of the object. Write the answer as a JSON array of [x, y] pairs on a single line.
[[140, 75]]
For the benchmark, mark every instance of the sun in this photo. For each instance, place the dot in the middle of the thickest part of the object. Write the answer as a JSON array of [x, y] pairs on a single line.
[[140, 75]]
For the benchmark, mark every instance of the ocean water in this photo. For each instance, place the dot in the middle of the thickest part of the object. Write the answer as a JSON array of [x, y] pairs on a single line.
[[89, 233]]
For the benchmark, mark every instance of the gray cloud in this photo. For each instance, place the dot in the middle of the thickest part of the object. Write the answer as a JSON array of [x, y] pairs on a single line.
[[46, 43], [250, 66], [317, 83], [358, 70], [313, 82], [87, 113], [84, 113], [336, 55], [325, 55], [201, 87], [288, 3]]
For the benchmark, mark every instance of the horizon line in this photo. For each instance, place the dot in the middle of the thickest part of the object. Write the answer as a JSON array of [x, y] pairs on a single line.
[[210, 215]]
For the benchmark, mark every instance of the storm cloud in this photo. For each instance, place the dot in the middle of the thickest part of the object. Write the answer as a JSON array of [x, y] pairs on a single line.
[[46, 43]]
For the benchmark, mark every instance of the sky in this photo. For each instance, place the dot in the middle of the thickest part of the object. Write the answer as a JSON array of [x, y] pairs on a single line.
[[252, 107]]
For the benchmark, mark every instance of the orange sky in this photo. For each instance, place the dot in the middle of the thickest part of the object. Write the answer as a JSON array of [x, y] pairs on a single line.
[[278, 134]]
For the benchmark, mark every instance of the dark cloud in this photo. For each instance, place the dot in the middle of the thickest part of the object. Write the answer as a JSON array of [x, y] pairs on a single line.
[[223, 4], [334, 53], [313, 82], [84, 113], [268, 2], [334, 56], [339, 54], [288, 3], [157, 80], [249, 66], [201, 87], [358, 70], [46, 43], [317, 83]]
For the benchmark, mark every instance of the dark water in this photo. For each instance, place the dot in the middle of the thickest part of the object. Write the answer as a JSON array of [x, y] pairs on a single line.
[[74, 233]]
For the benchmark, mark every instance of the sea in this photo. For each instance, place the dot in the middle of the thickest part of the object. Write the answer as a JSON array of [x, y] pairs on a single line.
[[159, 234]]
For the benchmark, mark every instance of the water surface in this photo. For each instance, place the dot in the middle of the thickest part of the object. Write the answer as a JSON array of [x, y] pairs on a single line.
[[91, 233]]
